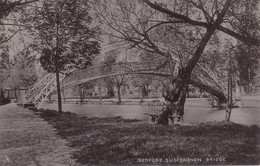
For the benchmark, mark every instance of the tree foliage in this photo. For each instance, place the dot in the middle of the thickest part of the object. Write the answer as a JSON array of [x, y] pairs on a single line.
[[6, 8], [64, 35], [13, 72], [21, 71], [247, 58], [175, 28], [114, 81]]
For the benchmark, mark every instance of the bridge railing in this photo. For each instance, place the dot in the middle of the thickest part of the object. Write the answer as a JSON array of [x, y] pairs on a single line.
[[36, 89], [222, 85]]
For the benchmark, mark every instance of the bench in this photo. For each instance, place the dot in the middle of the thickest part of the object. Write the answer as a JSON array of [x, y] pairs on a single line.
[[154, 117], [172, 117]]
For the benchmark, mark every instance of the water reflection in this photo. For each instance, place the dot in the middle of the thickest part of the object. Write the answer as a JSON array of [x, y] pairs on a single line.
[[248, 116]]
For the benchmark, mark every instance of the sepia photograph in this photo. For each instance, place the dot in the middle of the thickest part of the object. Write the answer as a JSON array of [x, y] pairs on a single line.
[[129, 82]]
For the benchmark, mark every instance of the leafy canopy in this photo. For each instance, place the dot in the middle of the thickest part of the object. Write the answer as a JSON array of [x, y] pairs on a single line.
[[64, 35]]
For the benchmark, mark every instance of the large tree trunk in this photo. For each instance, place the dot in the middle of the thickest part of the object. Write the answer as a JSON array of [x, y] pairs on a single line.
[[176, 96], [58, 91]]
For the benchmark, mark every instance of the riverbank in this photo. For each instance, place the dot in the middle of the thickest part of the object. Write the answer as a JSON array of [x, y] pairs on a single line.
[[250, 102], [145, 102], [26, 139], [246, 102], [114, 140]]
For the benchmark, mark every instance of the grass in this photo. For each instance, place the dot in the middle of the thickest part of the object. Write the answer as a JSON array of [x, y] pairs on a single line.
[[110, 141]]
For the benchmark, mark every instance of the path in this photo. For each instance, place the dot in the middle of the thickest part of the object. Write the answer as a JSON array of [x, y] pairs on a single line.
[[27, 140]]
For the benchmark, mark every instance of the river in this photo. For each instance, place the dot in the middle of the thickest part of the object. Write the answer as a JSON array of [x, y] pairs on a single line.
[[193, 114]]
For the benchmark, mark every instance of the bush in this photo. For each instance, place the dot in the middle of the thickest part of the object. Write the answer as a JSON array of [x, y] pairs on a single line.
[[3, 100]]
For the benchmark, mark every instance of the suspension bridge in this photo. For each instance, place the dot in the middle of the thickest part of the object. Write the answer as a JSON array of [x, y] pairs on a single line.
[[47, 85]]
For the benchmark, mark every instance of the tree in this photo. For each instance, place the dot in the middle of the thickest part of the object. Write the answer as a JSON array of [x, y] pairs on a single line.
[[247, 61], [109, 59], [119, 80], [21, 71], [7, 7], [64, 36], [181, 29], [4, 63], [143, 82], [12, 74]]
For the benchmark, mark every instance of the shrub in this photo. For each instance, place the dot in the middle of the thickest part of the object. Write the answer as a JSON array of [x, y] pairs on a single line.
[[3, 100]]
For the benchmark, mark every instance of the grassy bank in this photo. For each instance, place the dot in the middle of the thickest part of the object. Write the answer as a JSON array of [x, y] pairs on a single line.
[[119, 141]]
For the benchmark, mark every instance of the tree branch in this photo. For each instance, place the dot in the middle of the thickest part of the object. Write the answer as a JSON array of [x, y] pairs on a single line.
[[175, 15], [246, 39], [200, 6], [9, 37]]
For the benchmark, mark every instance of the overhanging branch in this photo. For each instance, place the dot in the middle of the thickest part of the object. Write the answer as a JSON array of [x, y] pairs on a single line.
[[174, 14], [249, 40], [1, 42]]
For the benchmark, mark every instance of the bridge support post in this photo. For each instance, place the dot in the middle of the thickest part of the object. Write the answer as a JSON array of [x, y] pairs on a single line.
[[22, 102], [237, 91], [21, 96], [242, 91]]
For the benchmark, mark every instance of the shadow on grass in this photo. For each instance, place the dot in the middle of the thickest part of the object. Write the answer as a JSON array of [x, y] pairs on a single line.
[[115, 140]]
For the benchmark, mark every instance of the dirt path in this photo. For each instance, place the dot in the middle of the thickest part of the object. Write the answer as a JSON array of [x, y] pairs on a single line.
[[27, 140]]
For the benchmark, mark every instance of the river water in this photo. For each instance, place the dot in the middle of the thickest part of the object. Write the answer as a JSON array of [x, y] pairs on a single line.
[[193, 114]]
